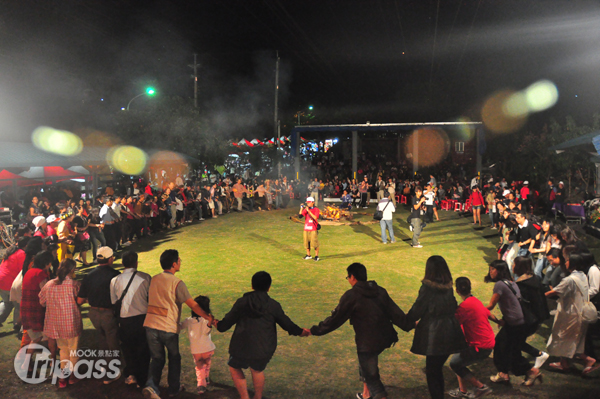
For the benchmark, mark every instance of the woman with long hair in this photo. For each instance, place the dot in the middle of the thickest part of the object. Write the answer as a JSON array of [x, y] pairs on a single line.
[[541, 246], [569, 331], [513, 334], [63, 317], [11, 266], [82, 237], [438, 333]]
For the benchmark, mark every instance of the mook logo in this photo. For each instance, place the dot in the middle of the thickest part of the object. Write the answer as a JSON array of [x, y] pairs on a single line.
[[34, 365]]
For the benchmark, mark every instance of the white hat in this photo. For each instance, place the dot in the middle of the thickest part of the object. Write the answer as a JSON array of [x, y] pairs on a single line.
[[505, 193], [38, 221], [51, 219], [310, 199], [561, 183], [104, 253], [526, 182]]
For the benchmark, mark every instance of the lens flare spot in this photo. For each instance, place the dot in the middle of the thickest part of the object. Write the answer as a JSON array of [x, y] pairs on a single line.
[[127, 159], [465, 132], [57, 141], [495, 116], [516, 106], [429, 146], [541, 95]]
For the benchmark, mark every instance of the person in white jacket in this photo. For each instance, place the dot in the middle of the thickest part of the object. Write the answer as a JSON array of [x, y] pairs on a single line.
[[387, 207], [201, 345]]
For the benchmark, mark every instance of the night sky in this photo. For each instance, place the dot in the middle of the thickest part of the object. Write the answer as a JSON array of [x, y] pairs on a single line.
[[376, 60]]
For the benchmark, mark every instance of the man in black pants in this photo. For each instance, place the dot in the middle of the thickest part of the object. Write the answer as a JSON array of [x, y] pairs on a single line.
[[372, 313]]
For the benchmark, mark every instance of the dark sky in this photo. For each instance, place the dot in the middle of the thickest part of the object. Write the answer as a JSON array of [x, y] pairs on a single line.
[[377, 60]]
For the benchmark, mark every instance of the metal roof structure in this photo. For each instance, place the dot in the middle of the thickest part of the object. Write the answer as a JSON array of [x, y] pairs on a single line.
[[366, 127]]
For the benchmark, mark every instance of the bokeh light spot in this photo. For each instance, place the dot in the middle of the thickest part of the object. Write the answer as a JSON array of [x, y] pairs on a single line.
[[432, 146], [57, 141], [465, 132], [127, 159], [541, 95], [496, 118]]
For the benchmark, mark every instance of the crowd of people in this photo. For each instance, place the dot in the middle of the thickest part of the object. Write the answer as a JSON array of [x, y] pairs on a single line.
[[540, 266]]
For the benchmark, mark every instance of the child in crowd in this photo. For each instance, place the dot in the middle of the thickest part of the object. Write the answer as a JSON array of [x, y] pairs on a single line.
[[201, 344]]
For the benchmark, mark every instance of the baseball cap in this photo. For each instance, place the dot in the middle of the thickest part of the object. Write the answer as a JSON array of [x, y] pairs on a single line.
[[310, 199], [104, 253], [51, 219], [526, 182], [505, 193], [560, 182]]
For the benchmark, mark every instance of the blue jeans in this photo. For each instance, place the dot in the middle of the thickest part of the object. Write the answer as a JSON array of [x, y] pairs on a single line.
[[157, 341], [368, 368], [539, 267], [96, 236], [7, 306], [387, 224], [523, 251]]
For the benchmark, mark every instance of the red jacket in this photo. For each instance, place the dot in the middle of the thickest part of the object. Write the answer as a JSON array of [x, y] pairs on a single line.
[[476, 198], [10, 269]]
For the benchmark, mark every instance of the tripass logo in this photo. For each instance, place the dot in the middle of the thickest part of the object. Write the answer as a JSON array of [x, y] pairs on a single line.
[[34, 365]]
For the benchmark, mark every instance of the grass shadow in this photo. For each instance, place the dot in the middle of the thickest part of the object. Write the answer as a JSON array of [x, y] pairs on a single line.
[[278, 245]]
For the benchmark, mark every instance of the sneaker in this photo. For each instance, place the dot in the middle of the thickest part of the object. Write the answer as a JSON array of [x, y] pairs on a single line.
[[130, 380], [201, 219], [410, 227], [307, 257], [126, 244], [393, 242], [111, 380], [417, 246], [317, 259], [150, 393], [361, 396], [553, 312], [202, 390], [479, 392], [385, 242], [494, 228], [457, 393], [540, 360]]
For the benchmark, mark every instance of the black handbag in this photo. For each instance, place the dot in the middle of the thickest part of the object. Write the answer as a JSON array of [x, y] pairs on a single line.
[[117, 305], [528, 313], [378, 215]]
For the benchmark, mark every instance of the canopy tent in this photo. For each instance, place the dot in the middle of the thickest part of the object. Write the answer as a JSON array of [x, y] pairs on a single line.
[[51, 174], [11, 179]]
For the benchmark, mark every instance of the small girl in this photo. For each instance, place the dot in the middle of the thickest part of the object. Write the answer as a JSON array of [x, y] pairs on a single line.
[[201, 345]]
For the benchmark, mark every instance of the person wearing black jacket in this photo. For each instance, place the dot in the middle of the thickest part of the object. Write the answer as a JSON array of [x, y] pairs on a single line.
[[438, 333], [534, 301], [372, 313], [254, 339]]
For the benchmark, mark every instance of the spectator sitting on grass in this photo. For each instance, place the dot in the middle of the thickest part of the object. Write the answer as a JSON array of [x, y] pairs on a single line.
[[254, 339]]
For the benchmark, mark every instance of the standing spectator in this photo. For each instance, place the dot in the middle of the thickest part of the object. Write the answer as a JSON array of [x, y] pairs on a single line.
[[11, 266], [560, 197], [95, 289], [415, 216], [134, 307], [490, 198], [391, 188], [363, 189], [32, 312], [525, 195], [380, 188], [387, 207], [429, 195], [95, 231], [311, 235], [313, 189], [166, 295], [254, 339], [63, 317], [473, 317], [569, 331], [372, 314], [438, 333], [65, 237], [108, 218], [526, 233], [477, 204], [201, 344], [513, 334]]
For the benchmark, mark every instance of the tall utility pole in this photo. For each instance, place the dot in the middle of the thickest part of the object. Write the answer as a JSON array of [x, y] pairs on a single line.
[[195, 77], [276, 117]]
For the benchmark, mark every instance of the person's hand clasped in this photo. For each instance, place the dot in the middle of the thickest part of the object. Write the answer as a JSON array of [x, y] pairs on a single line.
[[305, 333]]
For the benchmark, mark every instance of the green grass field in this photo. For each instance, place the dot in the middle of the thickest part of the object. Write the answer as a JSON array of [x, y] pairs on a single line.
[[219, 258]]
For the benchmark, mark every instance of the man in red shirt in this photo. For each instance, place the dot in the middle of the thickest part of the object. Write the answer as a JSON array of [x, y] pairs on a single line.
[[473, 317], [525, 195], [311, 236]]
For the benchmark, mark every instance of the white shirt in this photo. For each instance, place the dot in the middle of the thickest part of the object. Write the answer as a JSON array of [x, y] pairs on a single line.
[[387, 213], [117, 208], [135, 302], [429, 197], [199, 334], [594, 280]]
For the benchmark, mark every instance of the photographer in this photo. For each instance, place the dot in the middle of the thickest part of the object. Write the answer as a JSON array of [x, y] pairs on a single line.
[[415, 216], [311, 236]]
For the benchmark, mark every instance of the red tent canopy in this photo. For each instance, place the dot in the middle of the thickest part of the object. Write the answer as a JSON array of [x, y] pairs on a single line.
[[51, 174], [7, 178]]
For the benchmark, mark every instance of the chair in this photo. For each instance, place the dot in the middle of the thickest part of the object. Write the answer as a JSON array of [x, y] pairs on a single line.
[[403, 199], [445, 205], [458, 206]]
